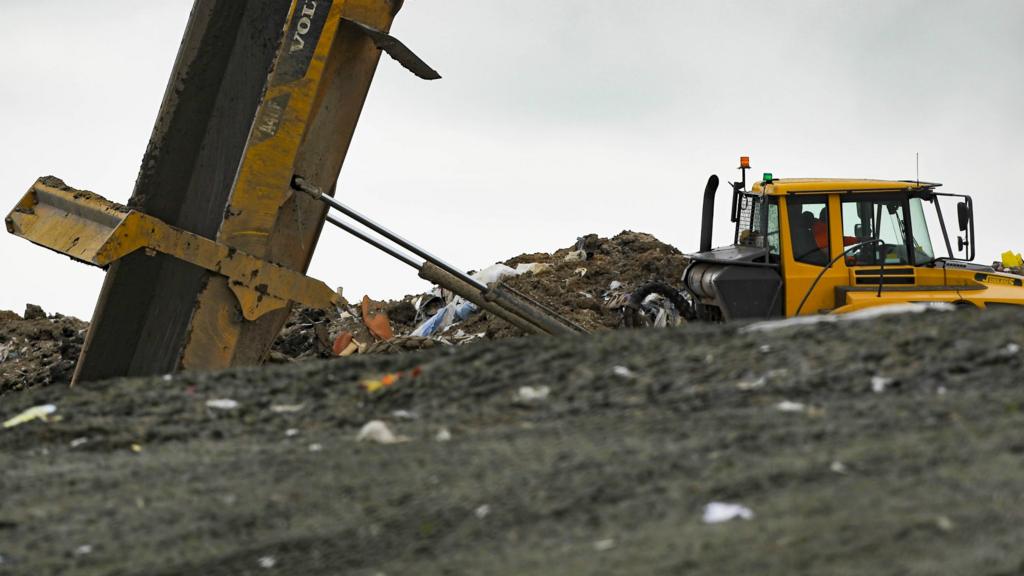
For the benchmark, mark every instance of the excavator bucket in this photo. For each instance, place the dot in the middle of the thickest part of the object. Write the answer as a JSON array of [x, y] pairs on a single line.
[[208, 257]]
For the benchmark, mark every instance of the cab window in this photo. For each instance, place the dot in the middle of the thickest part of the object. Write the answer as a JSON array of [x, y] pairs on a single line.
[[808, 229], [882, 219], [753, 229]]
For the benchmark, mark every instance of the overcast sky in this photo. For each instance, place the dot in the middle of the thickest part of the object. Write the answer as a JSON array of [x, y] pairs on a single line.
[[554, 119]]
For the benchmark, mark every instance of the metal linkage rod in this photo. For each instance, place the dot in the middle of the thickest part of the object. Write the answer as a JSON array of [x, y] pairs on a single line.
[[303, 186], [375, 243]]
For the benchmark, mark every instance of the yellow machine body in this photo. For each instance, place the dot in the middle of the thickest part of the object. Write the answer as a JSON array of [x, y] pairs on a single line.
[[847, 285]]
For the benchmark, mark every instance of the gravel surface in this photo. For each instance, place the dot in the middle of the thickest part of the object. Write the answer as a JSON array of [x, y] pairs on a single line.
[[886, 446]]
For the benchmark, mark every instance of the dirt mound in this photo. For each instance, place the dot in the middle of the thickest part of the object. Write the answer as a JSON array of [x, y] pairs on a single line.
[[586, 282], [886, 446], [37, 349]]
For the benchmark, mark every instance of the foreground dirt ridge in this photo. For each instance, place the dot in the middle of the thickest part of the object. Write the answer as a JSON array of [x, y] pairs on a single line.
[[889, 446]]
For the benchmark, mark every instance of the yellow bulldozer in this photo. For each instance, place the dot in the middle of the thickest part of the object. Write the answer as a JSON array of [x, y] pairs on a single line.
[[809, 246], [209, 255]]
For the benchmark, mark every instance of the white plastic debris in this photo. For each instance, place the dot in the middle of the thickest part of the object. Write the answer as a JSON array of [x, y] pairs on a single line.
[[167, 377], [379, 432], [614, 285], [623, 372], [267, 562], [879, 384], [316, 447], [787, 406], [287, 408], [749, 384], [838, 467], [222, 404], [78, 442], [941, 391], [533, 268], [1011, 349], [291, 432], [765, 349], [42, 412], [865, 314], [83, 550], [944, 523], [403, 415], [482, 511], [604, 545], [533, 393], [443, 435], [576, 256], [719, 512], [891, 309]]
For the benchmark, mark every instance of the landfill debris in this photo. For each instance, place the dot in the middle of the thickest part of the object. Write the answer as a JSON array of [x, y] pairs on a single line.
[[443, 435], [720, 512], [575, 256], [291, 432], [77, 442], [860, 315], [787, 406], [83, 550], [482, 512], [315, 447], [944, 523], [42, 350], [530, 394], [595, 300], [837, 467], [372, 385], [222, 404], [379, 432], [137, 448], [375, 317], [34, 312], [879, 384], [286, 408], [38, 351], [1011, 262], [404, 415], [1010, 350], [267, 562], [42, 412], [623, 372], [752, 384], [604, 545], [344, 344]]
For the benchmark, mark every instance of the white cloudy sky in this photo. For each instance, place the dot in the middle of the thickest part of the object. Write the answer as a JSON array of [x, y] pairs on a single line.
[[553, 119]]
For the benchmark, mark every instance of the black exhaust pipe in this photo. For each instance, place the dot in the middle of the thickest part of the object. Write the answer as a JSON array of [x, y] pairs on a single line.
[[707, 224]]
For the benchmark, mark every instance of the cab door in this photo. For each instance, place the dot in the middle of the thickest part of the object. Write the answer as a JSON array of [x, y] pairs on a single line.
[[810, 221], [887, 263]]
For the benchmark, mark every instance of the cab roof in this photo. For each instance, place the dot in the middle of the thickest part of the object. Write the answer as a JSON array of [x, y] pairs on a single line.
[[784, 186]]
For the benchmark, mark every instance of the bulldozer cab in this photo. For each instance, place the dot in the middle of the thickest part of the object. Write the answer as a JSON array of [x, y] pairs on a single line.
[[848, 244], [808, 246]]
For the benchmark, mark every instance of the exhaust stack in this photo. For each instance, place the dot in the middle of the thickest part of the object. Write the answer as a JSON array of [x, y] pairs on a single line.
[[708, 220]]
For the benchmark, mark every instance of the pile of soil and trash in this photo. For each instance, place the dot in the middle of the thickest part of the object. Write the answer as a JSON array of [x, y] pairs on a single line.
[[860, 445], [587, 283], [37, 349]]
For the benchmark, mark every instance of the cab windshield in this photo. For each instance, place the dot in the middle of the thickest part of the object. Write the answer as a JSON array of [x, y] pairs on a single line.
[[899, 223]]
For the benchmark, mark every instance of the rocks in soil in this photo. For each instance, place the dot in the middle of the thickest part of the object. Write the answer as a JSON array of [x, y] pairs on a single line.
[[38, 349]]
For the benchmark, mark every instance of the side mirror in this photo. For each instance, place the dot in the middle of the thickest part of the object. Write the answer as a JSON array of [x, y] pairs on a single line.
[[963, 212]]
